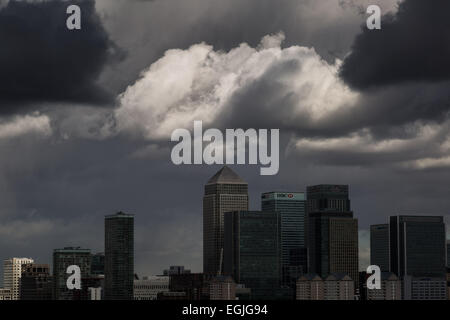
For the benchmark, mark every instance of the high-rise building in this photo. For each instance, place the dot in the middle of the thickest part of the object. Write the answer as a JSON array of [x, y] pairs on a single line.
[[62, 259], [252, 251], [119, 256], [148, 288], [36, 282], [332, 232], [224, 192], [379, 246], [12, 271], [292, 209], [417, 246]]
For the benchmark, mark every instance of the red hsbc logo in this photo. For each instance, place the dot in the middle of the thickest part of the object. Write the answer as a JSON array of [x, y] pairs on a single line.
[[290, 195]]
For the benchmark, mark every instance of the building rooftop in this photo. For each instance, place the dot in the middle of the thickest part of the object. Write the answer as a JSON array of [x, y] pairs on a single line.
[[226, 176], [119, 214]]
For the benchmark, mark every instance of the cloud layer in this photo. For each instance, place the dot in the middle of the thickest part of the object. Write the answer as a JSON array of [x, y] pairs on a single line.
[[42, 61], [287, 87]]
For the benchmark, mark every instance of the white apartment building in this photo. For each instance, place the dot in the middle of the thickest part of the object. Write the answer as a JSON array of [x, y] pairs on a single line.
[[12, 271], [149, 287]]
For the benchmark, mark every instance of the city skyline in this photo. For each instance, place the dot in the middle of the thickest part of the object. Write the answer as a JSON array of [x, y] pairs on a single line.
[[221, 177]]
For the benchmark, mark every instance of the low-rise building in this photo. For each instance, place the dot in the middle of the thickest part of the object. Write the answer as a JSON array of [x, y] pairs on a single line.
[[339, 286], [222, 288], [424, 288], [391, 288], [336, 286], [5, 294], [148, 287], [310, 287]]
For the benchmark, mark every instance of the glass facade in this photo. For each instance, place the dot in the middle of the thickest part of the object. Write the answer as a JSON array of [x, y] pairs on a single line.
[[292, 209], [119, 256], [253, 251], [379, 246], [418, 246]]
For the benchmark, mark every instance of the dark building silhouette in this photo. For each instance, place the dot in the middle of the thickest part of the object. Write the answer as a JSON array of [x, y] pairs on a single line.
[[332, 232], [195, 286], [36, 282], [98, 264], [292, 209], [173, 270], [448, 255], [328, 197], [62, 259], [119, 256], [417, 246], [253, 251], [379, 246], [225, 191]]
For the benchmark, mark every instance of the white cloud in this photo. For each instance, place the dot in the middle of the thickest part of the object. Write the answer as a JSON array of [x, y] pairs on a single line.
[[200, 83], [22, 125]]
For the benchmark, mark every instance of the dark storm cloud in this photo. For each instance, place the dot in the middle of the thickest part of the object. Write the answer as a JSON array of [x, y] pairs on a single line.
[[41, 60], [412, 45]]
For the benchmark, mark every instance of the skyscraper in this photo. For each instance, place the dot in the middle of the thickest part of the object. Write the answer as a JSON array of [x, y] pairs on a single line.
[[36, 282], [225, 191], [119, 256], [12, 271], [253, 251], [379, 246], [417, 246], [332, 232], [292, 209], [63, 258]]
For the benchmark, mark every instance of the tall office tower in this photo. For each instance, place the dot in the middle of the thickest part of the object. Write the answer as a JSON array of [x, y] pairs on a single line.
[[119, 256], [225, 191], [62, 259], [36, 282], [417, 246], [379, 246], [12, 271], [252, 251], [292, 209], [332, 232]]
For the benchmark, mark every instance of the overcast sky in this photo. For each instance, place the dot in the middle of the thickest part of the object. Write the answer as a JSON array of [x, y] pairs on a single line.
[[86, 116]]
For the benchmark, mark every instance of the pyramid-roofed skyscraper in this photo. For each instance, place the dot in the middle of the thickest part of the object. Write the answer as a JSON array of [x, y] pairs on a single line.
[[224, 192]]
